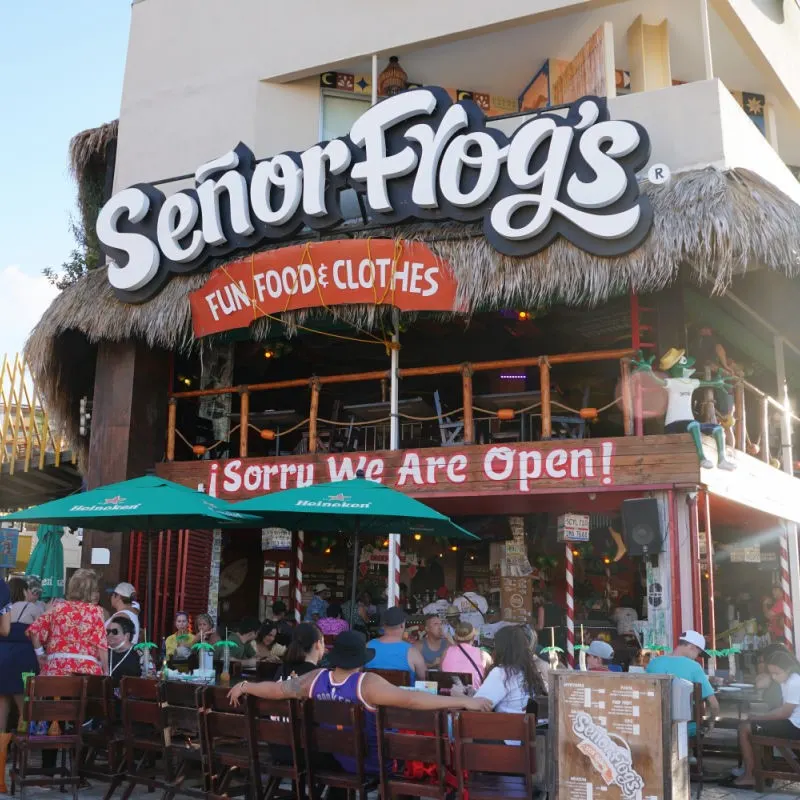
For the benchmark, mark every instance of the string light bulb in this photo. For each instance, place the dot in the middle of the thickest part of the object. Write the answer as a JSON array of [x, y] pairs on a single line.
[[523, 315], [327, 551], [417, 537], [575, 553], [454, 548], [269, 354], [385, 542]]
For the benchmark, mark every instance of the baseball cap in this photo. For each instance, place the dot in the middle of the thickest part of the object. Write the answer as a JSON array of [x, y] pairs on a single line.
[[124, 590], [321, 587], [601, 650], [695, 638], [393, 617]]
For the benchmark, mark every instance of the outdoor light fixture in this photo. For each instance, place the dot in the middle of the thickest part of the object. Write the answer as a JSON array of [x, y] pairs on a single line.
[[454, 548], [327, 551], [269, 354], [393, 79], [523, 315], [417, 536]]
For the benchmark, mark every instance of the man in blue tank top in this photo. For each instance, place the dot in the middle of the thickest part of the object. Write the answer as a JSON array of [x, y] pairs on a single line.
[[392, 652]]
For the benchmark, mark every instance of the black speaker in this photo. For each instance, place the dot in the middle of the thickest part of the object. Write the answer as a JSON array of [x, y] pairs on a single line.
[[641, 527]]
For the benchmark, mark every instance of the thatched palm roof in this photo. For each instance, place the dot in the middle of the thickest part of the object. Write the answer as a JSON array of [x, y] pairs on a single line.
[[713, 224]]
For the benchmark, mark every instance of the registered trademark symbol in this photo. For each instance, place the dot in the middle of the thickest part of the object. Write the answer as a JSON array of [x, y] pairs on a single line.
[[658, 173]]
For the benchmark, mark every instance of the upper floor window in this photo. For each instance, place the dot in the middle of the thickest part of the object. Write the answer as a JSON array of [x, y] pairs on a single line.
[[339, 113]]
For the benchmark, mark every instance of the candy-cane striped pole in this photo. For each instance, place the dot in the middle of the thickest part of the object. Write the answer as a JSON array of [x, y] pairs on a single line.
[[393, 589], [298, 578], [570, 607], [788, 630]]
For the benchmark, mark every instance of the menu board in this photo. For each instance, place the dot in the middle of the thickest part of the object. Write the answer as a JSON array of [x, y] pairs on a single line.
[[516, 599], [612, 736]]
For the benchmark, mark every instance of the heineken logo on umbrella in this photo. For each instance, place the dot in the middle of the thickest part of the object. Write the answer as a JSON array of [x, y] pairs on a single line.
[[114, 500], [339, 500]]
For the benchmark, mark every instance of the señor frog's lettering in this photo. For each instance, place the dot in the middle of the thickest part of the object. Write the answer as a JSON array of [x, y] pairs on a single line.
[[518, 469], [412, 156]]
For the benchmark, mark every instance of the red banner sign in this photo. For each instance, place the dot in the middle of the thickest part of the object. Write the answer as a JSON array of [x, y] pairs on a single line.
[[406, 275]]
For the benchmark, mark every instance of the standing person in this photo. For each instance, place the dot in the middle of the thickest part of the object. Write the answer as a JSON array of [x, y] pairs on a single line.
[[598, 656], [180, 642], [5, 630], [433, 645], [463, 656], [123, 595], [267, 646], [70, 638], [775, 613], [35, 587], [285, 625], [123, 660], [683, 664], [318, 607], [346, 682], [781, 723], [391, 651], [438, 606], [332, 624], [472, 607], [515, 677]]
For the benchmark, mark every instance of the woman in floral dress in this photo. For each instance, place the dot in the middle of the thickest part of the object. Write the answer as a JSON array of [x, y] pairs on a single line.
[[71, 637]]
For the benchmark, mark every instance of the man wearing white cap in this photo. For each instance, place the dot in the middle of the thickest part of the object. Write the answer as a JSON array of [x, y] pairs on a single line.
[[318, 607], [123, 595], [598, 656], [682, 663]]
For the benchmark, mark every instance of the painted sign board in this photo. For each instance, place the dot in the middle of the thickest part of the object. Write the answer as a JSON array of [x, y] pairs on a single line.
[[406, 275], [525, 468], [9, 540], [414, 156], [573, 528]]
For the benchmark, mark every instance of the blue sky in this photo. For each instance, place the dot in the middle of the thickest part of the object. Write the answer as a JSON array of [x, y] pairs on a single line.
[[61, 70]]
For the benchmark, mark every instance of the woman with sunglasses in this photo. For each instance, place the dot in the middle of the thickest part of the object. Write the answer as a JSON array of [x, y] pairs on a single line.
[[123, 660]]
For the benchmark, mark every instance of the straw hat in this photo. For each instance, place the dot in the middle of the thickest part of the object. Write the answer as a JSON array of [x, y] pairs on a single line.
[[671, 358]]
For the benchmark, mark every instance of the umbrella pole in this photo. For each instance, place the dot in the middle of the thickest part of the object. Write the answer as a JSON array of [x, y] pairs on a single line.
[[355, 576], [150, 582]]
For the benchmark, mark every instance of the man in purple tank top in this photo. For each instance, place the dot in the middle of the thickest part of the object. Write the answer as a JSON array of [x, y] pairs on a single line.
[[346, 681]]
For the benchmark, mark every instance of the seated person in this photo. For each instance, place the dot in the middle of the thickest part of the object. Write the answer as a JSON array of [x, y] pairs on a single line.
[[783, 722], [123, 660], [332, 624], [346, 681], [683, 664], [433, 645], [391, 651], [772, 697], [267, 647], [179, 644], [244, 637], [206, 632], [463, 656], [285, 625], [598, 656]]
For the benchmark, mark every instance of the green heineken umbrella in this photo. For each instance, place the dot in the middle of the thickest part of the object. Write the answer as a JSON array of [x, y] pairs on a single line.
[[47, 561], [358, 507], [148, 504]]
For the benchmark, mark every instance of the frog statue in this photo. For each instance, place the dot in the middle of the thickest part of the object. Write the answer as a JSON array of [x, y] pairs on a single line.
[[681, 384]]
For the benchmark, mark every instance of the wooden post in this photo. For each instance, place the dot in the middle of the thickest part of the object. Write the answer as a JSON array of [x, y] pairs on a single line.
[[709, 407], [627, 398], [544, 385], [172, 418], [312, 417], [469, 419], [741, 417], [765, 429], [244, 422]]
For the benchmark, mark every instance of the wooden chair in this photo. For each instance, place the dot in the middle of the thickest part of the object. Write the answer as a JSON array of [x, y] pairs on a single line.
[[51, 699], [489, 768], [397, 677], [406, 735], [183, 711], [275, 746], [767, 768], [266, 670], [334, 728], [225, 741], [447, 679], [144, 727], [104, 737]]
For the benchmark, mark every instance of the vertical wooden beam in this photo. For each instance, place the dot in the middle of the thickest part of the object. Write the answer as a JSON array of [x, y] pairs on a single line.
[[469, 419], [172, 418], [765, 429], [244, 421], [708, 412], [648, 56], [544, 385], [627, 398], [741, 417], [312, 416]]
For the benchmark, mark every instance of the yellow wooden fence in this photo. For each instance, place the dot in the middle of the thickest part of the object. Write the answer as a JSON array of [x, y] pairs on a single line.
[[29, 439]]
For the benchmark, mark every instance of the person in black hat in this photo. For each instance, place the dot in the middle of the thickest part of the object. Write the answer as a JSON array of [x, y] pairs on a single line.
[[392, 651], [346, 681]]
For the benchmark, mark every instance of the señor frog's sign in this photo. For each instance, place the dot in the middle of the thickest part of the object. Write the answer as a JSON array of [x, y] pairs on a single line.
[[416, 155]]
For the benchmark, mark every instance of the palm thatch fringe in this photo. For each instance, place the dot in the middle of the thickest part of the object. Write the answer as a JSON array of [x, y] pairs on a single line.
[[88, 146], [718, 224]]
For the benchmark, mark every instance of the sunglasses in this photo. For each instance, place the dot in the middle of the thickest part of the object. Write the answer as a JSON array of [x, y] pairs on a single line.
[[114, 631]]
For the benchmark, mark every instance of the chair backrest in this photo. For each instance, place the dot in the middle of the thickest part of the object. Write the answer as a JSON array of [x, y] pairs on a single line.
[[481, 745], [335, 727], [274, 721], [406, 734], [53, 698], [266, 670], [447, 679], [141, 703], [182, 703], [397, 677], [220, 718], [100, 698]]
